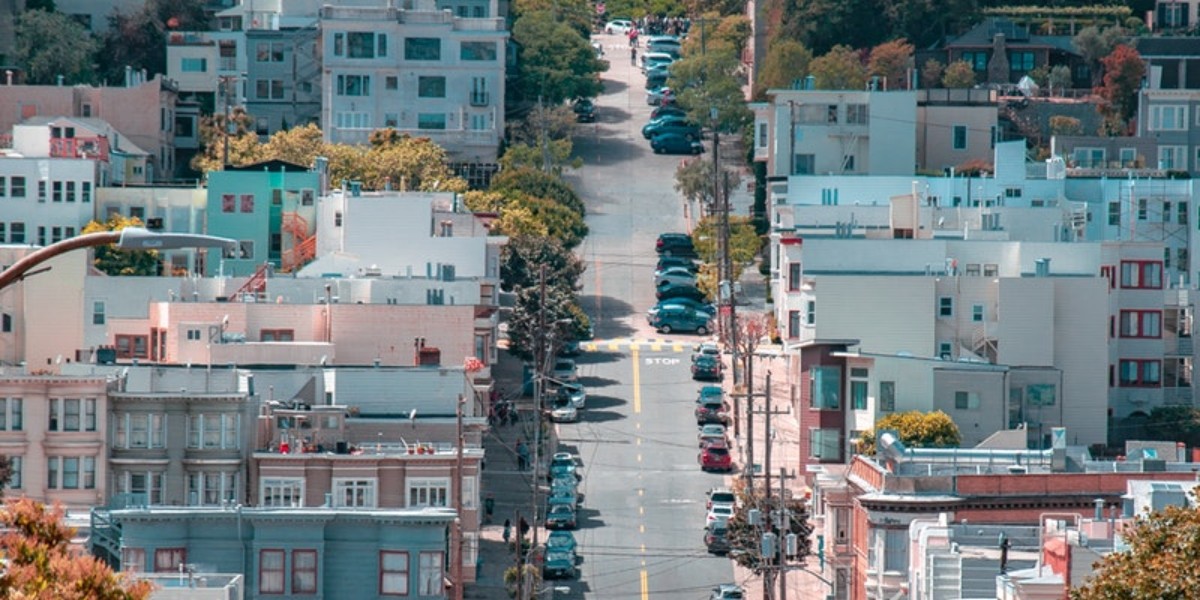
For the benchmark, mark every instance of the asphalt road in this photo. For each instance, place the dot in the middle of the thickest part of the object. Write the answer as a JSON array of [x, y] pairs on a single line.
[[640, 532]]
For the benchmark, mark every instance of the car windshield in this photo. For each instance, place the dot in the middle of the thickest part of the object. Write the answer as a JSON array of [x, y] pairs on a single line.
[[561, 402], [713, 430], [722, 497], [560, 538], [560, 509]]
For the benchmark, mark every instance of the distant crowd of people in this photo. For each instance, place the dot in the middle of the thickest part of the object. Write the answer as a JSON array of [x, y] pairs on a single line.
[[655, 25]]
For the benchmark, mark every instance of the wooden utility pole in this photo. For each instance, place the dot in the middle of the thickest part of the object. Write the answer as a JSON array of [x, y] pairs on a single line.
[[786, 519], [456, 569]]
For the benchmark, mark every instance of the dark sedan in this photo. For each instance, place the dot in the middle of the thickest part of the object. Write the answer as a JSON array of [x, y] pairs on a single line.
[[675, 143]]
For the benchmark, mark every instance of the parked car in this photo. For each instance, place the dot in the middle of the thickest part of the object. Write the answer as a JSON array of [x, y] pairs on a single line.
[[667, 292], [660, 96], [564, 371], [570, 348], [718, 514], [679, 318], [727, 591], [559, 564], [707, 368], [650, 59], [715, 457], [566, 482], [669, 109], [687, 303], [618, 26], [562, 495], [562, 410], [561, 540], [675, 244], [599, 48], [665, 44], [561, 516], [710, 432], [656, 78], [562, 464], [671, 124], [706, 349], [585, 110], [666, 262], [708, 392], [712, 410], [574, 393], [716, 538], [677, 275], [673, 142]]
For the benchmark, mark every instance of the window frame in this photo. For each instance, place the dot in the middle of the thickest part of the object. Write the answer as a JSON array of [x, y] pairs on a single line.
[[430, 572], [1133, 274], [343, 485], [1137, 323], [298, 586], [406, 573], [284, 485], [1144, 368], [278, 587], [166, 553], [957, 131]]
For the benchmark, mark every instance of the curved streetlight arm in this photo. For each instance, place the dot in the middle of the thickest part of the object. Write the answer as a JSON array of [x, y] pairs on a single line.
[[131, 238]]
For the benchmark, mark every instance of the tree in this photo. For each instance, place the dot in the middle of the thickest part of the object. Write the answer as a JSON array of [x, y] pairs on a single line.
[[41, 564], [839, 69], [536, 183], [241, 147], [694, 180], [745, 540], [959, 75], [1123, 73], [522, 258], [709, 81], [1060, 78], [50, 44], [744, 245], [526, 321], [138, 39], [555, 63], [1093, 44], [787, 62], [891, 61], [916, 429], [1174, 424], [112, 261], [1064, 125], [1160, 562], [931, 74]]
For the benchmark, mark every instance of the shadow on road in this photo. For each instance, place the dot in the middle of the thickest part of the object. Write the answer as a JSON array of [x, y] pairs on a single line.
[[593, 382], [599, 356], [610, 309], [600, 416], [603, 402], [587, 518]]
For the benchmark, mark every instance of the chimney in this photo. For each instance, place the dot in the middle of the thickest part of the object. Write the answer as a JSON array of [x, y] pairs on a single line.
[[997, 69], [1042, 267]]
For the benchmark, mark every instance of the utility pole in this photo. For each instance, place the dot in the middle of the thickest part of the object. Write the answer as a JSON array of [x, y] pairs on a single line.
[[541, 361], [767, 441], [228, 125], [786, 519], [520, 537], [457, 567]]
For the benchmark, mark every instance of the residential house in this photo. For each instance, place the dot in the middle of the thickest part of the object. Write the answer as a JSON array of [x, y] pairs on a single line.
[[421, 70], [1002, 51], [54, 430], [167, 209], [94, 14], [1174, 16], [283, 76], [320, 552], [955, 127]]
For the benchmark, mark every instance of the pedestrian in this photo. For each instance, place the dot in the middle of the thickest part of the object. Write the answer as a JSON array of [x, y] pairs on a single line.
[[507, 530], [633, 56], [489, 507], [522, 455]]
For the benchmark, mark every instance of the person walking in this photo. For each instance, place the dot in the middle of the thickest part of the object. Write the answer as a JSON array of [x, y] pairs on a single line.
[[633, 56], [522, 455], [507, 530]]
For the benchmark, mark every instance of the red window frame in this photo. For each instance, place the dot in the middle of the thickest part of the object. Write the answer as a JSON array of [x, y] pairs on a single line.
[[281, 571], [277, 335], [1134, 274], [127, 346], [298, 585], [1149, 372], [407, 572], [176, 556], [1133, 324], [1109, 272], [228, 203]]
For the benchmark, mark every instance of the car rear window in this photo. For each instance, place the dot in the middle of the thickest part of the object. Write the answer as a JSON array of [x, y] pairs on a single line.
[[717, 451], [722, 497]]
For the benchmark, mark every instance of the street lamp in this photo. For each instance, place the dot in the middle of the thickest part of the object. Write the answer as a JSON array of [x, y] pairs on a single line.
[[130, 238]]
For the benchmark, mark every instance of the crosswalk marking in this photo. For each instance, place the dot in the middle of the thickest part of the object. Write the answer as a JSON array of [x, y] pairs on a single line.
[[651, 345]]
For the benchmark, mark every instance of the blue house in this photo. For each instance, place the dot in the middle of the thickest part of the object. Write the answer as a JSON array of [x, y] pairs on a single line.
[[305, 553], [269, 208]]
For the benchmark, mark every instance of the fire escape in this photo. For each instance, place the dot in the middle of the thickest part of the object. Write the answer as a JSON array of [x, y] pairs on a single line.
[[303, 247], [256, 285]]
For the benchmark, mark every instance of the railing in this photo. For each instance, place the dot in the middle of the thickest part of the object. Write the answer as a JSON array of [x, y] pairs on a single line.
[[256, 284], [300, 254], [79, 147]]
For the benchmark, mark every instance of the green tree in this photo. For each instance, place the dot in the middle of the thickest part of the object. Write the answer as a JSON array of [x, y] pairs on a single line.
[[554, 154], [1123, 73], [786, 63], [744, 246], [709, 82], [560, 221], [1093, 44], [931, 73], [522, 258], [526, 320], [839, 69], [959, 75], [112, 261], [745, 540], [916, 429], [1160, 562], [242, 144], [41, 564], [536, 183], [694, 180], [576, 13], [49, 44], [138, 38], [1060, 78], [891, 61], [1174, 424], [554, 62]]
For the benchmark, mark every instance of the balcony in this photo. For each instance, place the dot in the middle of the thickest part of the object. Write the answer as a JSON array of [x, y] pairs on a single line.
[[189, 38], [79, 147], [480, 98]]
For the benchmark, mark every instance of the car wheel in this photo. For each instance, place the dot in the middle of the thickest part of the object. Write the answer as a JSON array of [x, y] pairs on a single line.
[[657, 150], [702, 330], [666, 329]]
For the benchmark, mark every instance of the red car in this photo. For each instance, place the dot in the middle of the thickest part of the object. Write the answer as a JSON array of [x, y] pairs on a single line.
[[715, 457]]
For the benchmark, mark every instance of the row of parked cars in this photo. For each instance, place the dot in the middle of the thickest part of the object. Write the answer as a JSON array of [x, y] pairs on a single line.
[[562, 510], [681, 305], [668, 130]]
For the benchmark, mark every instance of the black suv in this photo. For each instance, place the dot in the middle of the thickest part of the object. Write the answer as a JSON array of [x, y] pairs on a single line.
[[585, 111], [716, 538], [675, 244]]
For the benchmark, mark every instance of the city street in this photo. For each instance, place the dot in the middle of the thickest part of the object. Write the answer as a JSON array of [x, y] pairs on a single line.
[[641, 526]]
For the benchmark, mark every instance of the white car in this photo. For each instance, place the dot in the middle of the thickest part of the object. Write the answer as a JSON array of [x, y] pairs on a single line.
[[660, 96], [719, 513], [563, 411], [621, 26], [564, 371], [674, 276], [575, 393]]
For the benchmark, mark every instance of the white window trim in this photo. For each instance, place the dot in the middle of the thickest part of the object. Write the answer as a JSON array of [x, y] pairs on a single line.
[[413, 483], [339, 485], [281, 482]]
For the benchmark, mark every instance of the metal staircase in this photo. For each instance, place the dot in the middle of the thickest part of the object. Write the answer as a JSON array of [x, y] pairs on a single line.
[[303, 244], [256, 285]]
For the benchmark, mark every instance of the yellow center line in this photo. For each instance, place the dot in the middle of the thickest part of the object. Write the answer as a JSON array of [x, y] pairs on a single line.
[[645, 585], [637, 383]]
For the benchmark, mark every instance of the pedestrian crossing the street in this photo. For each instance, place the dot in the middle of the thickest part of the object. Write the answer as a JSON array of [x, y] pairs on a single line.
[[639, 344]]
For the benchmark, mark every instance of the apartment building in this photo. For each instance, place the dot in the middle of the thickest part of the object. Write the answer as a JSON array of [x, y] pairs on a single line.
[[48, 183]]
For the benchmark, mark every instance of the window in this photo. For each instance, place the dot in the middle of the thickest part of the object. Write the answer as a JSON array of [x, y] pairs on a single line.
[[824, 444], [794, 275], [793, 324], [16, 407], [825, 387], [17, 235], [269, 52], [393, 573], [1172, 157], [52, 473], [132, 346], [167, 560], [268, 89], [847, 162], [18, 187], [977, 60], [70, 472], [977, 313], [354, 493], [139, 430], [364, 44], [804, 164], [247, 203], [391, 83], [1168, 118], [213, 431], [3, 187], [858, 394], [431, 574], [281, 491], [57, 191], [228, 203], [431, 120], [70, 191], [431, 87], [354, 85], [211, 488], [887, 396], [1143, 209], [146, 484], [133, 560], [270, 571], [193, 65], [1128, 156], [478, 51], [70, 414], [422, 48], [276, 335], [811, 313], [966, 400], [1141, 324], [761, 137], [856, 114], [1020, 61], [1041, 394], [1182, 212], [1141, 274], [960, 137], [304, 571], [1140, 373], [945, 306], [1114, 213], [428, 492]]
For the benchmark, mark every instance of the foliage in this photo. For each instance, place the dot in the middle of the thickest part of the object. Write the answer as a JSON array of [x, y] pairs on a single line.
[[1174, 424], [511, 575], [891, 61], [931, 73], [959, 75], [1123, 72], [744, 243], [787, 62], [916, 429], [41, 564], [559, 221], [1160, 562], [555, 63], [839, 69], [1117, 12], [576, 13], [242, 141], [557, 122], [709, 82], [110, 260], [1060, 78], [1093, 44], [1064, 125], [745, 540], [694, 180], [732, 32], [49, 44], [523, 257], [556, 155], [138, 39], [536, 183], [1040, 75], [525, 322]]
